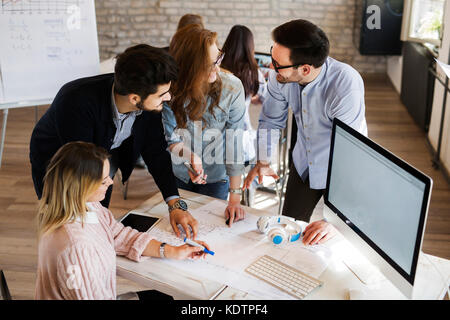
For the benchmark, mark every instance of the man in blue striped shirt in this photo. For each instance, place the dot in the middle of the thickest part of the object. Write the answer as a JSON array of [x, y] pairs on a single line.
[[318, 88]]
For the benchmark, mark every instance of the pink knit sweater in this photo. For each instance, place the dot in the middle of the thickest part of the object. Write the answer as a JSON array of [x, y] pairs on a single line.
[[79, 261]]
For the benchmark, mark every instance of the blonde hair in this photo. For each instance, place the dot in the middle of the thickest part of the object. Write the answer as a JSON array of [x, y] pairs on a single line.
[[74, 173]]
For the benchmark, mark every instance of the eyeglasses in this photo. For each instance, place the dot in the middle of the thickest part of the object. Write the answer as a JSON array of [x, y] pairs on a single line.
[[219, 59], [277, 66]]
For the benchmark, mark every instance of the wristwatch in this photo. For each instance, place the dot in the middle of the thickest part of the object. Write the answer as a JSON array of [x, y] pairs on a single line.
[[161, 250], [238, 190], [179, 204]]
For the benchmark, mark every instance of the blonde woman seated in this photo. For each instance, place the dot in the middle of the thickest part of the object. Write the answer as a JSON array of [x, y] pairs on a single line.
[[79, 238]]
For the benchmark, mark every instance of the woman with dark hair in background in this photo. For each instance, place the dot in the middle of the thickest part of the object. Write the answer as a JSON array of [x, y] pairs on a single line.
[[239, 58], [239, 50]]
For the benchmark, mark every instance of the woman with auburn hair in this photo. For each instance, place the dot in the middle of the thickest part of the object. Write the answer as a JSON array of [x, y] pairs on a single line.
[[204, 122], [79, 238], [239, 58]]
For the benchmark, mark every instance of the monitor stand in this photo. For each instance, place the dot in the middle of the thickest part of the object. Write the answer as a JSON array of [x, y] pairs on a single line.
[[366, 272]]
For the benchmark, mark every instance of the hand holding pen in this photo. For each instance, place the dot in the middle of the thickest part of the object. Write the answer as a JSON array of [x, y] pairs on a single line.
[[199, 244], [195, 170]]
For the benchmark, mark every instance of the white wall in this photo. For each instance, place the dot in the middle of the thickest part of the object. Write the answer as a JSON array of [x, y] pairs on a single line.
[[394, 71], [433, 133]]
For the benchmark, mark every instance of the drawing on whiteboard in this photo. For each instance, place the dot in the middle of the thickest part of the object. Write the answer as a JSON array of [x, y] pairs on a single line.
[[37, 6], [45, 44], [19, 34]]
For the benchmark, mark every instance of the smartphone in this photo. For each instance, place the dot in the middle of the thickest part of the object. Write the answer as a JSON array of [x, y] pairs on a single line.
[[140, 222], [189, 167]]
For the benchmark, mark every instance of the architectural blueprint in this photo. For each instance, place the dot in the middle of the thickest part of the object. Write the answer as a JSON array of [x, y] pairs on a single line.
[[236, 248]]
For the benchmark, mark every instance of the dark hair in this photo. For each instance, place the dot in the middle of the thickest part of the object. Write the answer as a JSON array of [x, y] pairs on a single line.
[[307, 42], [190, 19], [141, 68], [240, 59]]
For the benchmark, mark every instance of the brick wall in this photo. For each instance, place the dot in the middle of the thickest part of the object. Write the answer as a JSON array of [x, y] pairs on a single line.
[[122, 23]]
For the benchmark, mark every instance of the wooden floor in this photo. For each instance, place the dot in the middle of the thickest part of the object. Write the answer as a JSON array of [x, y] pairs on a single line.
[[389, 125]]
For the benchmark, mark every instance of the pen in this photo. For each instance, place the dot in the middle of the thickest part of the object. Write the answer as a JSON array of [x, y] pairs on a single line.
[[195, 244]]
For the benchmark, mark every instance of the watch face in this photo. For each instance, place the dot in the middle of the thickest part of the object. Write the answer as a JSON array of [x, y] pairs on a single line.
[[182, 205]]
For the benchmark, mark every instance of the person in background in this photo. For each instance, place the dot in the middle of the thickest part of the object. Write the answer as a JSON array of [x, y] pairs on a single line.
[[79, 238], [190, 18], [120, 112], [239, 58], [206, 103], [318, 89]]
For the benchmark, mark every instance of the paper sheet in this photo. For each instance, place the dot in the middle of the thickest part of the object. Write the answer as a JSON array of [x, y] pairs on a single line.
[[236, 248]]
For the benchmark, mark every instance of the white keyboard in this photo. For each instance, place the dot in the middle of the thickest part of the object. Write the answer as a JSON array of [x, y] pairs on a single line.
[[283, 277]]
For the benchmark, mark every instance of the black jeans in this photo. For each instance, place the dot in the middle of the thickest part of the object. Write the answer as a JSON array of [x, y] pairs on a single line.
[[300, 199]]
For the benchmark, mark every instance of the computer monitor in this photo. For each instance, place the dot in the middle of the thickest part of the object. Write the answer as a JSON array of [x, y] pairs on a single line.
[[378, 202]]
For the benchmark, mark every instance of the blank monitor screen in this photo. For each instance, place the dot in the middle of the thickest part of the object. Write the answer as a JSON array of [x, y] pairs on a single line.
[[382, 198]]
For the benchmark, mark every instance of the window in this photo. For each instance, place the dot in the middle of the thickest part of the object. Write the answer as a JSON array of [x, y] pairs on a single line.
[[422, 21]]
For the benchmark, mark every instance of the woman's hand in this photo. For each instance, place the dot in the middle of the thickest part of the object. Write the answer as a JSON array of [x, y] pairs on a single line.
[[234, 211], [186, 251], [196, 163]]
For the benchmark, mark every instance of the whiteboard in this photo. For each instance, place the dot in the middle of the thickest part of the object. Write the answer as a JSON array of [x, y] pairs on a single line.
[[43, 45]]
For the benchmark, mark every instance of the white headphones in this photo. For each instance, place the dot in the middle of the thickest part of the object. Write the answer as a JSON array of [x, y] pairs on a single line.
[[280, 229]]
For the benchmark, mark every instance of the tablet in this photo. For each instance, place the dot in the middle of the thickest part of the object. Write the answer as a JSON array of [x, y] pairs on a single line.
[[140, 222]]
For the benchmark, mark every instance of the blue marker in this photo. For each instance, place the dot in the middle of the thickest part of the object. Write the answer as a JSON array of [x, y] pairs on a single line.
[[195, 244]]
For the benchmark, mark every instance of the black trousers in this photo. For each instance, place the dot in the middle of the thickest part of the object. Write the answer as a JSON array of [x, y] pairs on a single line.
[[300, 199]]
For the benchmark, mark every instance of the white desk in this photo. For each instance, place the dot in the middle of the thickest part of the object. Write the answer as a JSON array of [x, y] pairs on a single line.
[[337, 278]]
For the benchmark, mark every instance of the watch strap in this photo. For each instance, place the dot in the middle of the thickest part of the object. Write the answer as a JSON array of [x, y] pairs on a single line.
[[238, 190], [177, 205], [161, 250]]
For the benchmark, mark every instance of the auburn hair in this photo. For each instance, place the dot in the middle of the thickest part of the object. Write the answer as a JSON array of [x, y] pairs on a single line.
[[73, 174], [190, 49]]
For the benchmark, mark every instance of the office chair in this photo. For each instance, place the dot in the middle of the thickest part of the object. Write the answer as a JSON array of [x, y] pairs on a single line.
[[4, 291]]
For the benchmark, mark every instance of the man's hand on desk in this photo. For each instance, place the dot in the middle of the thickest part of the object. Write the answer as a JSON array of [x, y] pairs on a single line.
[[185, 219], [318, 232], [260, 169]]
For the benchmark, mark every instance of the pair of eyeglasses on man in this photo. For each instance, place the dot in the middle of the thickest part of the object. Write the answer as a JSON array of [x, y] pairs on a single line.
[[277, 66]]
